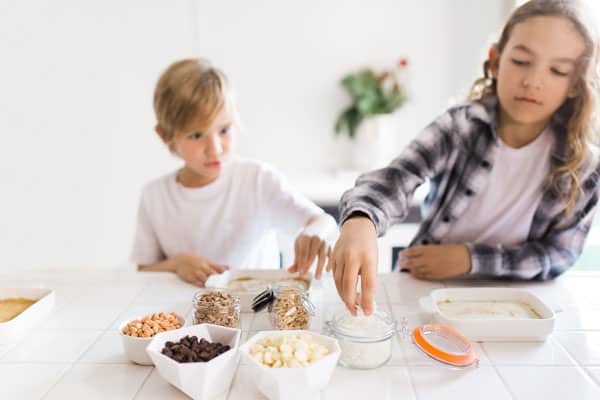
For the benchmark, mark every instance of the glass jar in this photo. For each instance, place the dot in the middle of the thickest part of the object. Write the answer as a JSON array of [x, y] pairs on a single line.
[[291, 308], [216, 306], [365, 341]]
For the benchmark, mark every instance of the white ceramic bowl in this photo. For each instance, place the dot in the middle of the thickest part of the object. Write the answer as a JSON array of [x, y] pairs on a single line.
[[135, 347], [292, 383], [199, 380]]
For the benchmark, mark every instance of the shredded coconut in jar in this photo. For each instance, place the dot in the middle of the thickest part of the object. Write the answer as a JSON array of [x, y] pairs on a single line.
[[366, 342]]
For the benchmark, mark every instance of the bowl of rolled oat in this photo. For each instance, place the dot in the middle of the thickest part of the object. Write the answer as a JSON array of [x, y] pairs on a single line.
[[137, 333]]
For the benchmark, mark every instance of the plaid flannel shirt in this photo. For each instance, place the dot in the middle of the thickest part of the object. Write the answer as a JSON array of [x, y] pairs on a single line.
[[456, 153]]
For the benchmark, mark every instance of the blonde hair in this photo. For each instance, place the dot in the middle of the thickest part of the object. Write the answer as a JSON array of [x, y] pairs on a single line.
[[580, 115], [190, 90]]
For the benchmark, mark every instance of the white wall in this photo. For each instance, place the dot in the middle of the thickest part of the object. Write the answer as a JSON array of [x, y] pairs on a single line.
[[77, 77]]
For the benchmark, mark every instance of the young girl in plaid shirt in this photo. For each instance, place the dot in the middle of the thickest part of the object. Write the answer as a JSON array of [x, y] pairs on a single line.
[[514, 173]]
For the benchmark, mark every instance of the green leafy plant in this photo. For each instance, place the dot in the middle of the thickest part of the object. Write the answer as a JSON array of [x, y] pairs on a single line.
[[371, 94]]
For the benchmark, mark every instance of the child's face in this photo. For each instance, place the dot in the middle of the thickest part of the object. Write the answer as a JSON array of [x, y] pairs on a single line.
[[204, 150], [536, 70]]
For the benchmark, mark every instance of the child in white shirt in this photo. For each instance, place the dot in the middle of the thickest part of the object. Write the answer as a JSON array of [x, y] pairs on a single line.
[[217, 211]]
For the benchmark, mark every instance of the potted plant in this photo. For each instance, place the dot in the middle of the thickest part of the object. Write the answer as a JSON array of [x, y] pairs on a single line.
[[371, 94]]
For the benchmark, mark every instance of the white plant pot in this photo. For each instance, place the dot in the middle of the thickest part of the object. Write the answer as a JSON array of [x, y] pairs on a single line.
[[371, 145]]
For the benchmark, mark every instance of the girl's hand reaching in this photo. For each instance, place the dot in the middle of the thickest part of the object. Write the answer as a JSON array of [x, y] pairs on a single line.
[[355, 254], [196, 269], [436, 261], [306, 249]]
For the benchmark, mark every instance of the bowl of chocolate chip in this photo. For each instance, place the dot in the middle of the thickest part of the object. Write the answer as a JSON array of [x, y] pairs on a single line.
[[200, 360]]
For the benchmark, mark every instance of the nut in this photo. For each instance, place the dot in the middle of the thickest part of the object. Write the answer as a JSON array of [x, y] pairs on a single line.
[[150, 325]]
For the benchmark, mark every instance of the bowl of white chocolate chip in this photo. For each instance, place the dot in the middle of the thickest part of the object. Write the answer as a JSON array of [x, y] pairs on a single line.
[[291, 364]]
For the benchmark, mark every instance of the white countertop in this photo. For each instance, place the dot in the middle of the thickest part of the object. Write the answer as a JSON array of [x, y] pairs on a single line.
[[77, 353]]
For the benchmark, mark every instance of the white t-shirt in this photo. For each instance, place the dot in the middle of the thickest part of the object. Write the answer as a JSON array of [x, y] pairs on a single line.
[[231, 221], [503, 211]]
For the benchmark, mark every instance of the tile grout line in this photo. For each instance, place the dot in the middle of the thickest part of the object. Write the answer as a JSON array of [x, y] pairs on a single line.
[[498, 374], [141, 386], [581, 367], [85, 351]]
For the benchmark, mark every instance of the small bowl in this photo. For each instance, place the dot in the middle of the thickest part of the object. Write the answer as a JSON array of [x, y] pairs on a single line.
[[199, 380], [135, 347], [292, 383]]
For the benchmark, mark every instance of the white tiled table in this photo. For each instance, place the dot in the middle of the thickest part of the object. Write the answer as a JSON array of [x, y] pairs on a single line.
[[77, 354]]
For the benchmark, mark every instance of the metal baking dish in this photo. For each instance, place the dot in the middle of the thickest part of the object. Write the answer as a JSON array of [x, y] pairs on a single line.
[[33, 315], [492, 328]]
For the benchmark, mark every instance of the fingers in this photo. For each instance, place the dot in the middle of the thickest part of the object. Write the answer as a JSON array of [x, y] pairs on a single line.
[[321, 260], [309, 247], [415, 251], [216, 268], [349, 278], [293, 268], [411, 263], [367, 287], [329, 266]]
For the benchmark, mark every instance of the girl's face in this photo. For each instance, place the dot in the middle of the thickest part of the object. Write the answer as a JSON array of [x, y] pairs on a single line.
[[536, 70], [204, 150]]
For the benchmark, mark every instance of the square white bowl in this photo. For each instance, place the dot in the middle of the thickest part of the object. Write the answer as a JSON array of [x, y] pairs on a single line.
[[246, 296], [199, 380], [30, 317], [292, 383], [135, 347], [491, 329]]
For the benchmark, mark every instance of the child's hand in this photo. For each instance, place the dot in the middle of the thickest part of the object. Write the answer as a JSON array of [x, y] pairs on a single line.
[[436, 261], [355, 253], [306, 248], [196, 269]]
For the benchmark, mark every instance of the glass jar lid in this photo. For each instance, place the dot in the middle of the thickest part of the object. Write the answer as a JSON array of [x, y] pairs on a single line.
[[445, 345], [361, 328]]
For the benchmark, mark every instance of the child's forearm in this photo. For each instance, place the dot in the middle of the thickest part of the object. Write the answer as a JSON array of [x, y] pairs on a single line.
[[323, 226], [168, 265]]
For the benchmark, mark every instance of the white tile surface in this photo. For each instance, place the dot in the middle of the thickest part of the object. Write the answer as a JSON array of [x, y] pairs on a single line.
[[156, 388], [108, 349], [381, 383], [100, 381], [442, 383], [80, 316], [594, 373], [583, 346], [549, 383], [62, 346], [527, 353], [405, 289], [83, 332], [28, 381], [578, 317]]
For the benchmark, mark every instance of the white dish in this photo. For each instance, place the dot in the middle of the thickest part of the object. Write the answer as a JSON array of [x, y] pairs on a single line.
[[199, 380], [257, 282], [292, 383], [135, 347], [492, 314], [30, 317]]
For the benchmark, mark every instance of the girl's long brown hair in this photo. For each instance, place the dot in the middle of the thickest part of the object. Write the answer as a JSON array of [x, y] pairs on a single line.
[[580, 113]]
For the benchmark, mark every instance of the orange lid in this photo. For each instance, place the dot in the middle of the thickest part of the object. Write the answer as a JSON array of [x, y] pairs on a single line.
[[444, 344]]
